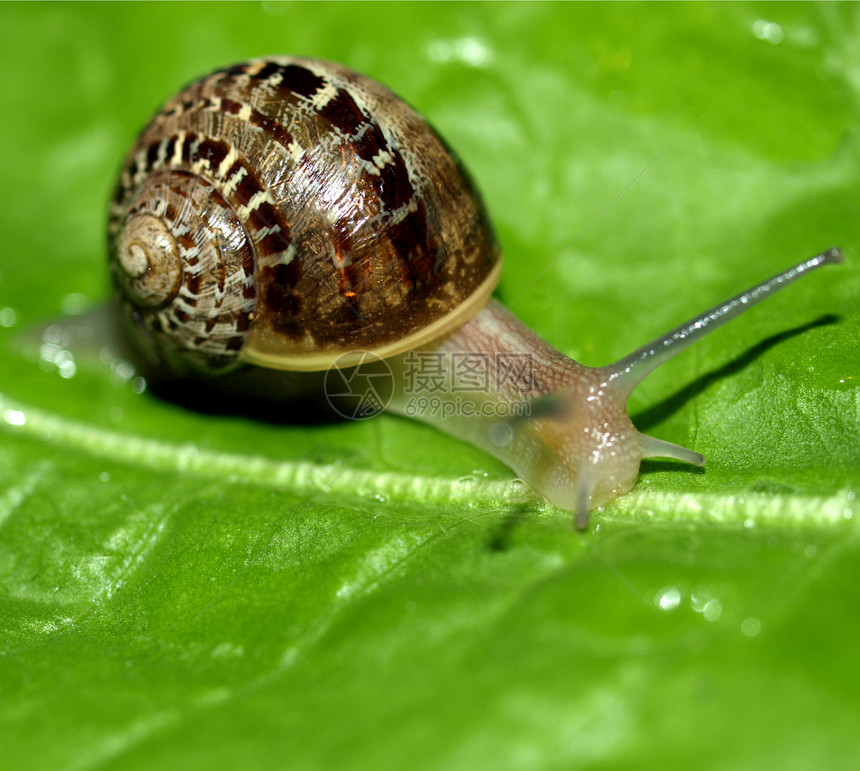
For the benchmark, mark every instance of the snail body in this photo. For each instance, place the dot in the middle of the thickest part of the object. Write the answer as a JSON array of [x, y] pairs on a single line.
[[291, 214]]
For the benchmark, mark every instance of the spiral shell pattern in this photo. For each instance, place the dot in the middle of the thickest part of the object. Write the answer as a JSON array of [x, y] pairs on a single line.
[[284, 211]]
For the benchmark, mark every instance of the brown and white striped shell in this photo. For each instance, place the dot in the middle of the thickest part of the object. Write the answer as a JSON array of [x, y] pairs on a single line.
[[285, 211]]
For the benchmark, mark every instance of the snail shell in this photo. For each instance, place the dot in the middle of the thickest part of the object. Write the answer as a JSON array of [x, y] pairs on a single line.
[[285, 211]]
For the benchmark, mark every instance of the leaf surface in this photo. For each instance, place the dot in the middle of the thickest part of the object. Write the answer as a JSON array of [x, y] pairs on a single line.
[[182, 589]]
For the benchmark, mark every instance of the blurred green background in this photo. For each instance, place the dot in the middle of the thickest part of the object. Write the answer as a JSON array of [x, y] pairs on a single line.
[[209, 591]]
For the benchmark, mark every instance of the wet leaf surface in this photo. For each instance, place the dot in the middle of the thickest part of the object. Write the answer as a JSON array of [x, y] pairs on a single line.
[[181, 588]]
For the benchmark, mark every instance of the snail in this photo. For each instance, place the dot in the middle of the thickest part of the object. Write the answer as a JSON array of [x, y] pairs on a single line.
[[288, 214]]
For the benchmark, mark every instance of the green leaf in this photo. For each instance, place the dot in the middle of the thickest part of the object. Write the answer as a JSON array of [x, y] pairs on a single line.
[[182, 589]]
